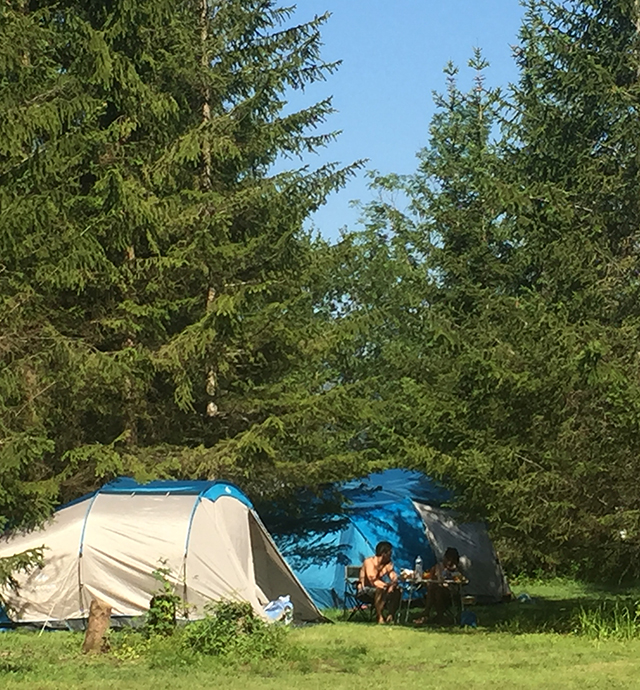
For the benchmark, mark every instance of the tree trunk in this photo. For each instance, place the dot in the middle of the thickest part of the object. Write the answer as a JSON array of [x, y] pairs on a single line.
[[206, 100], [638, 38], [97, 626]]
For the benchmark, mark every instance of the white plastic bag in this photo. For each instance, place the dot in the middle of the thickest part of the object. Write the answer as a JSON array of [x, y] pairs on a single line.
[[280, 609]]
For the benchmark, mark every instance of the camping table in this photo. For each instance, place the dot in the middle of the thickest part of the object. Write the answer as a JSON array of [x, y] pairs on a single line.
[[412, 586]]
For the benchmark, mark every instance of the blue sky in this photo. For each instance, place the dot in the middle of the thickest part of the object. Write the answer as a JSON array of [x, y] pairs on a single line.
[[393, 52]]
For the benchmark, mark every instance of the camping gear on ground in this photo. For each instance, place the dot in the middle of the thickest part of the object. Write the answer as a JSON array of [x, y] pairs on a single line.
[[320, 535], [280, 610], [468, 619], [202, 537]]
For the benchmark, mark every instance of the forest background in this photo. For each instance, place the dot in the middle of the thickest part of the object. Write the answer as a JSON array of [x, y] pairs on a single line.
[[164, 313]]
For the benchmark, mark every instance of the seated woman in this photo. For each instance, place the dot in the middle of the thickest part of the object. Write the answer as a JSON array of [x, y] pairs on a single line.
[[438, 593], [378, 580]]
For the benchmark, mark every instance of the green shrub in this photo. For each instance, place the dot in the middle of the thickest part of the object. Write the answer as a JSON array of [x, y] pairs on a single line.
[[230, 632], [128, 645], [161, 617], [232, 629], [11, 666]]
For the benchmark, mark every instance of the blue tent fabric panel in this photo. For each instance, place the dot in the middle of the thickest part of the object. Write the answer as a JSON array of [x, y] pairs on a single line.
[[400, 525], [207, 489], [319, 562], [376, 508], [5, 622], [127, 485], [391, 486]]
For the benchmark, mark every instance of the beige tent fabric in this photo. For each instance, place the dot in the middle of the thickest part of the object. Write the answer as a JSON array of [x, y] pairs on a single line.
[[127, 537], [220, 561], [52, 592], [109, 545]]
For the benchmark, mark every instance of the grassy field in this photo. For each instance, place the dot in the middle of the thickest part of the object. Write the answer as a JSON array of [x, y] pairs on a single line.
[[528, 645]]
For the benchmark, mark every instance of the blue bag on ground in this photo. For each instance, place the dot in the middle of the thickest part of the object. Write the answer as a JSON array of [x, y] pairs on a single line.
[[281, 609], [468, 619]]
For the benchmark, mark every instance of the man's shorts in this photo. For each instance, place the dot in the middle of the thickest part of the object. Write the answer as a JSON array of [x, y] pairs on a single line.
[[367, 592]]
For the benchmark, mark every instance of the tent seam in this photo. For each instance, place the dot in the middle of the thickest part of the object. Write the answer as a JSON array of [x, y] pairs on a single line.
[[81, 549], [196, 503]]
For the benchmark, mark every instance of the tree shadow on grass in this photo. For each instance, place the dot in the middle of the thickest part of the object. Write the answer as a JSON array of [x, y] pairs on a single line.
[[594, 616], [537, 616]]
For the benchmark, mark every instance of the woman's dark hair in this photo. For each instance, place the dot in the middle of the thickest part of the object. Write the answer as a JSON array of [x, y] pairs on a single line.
[[452, 556], [383, 547]]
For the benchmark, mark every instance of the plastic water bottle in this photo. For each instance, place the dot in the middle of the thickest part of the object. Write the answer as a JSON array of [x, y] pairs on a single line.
[[417, 570], [287, 617]]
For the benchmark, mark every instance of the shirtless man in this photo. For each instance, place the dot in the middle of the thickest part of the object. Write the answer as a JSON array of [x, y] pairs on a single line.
[[378, 580]]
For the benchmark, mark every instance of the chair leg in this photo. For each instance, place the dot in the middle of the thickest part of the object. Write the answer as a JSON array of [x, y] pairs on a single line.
[[456, 607], [354, 612], [357, 608]]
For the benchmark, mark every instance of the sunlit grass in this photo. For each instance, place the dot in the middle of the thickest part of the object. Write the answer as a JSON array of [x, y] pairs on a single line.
[[568, 635]]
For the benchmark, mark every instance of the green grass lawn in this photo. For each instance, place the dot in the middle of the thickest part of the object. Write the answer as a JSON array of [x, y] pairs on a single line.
[[515, 646]]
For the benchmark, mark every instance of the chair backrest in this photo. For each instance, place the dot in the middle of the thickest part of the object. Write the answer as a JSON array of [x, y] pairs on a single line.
[[358, 601], [352, 573]]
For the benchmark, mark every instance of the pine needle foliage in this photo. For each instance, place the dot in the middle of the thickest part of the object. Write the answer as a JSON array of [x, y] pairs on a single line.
[[154, 296], [495, 297], [23, 562]]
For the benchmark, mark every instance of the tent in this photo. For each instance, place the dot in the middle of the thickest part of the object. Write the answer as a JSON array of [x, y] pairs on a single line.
[[320, 538], [108, 545]]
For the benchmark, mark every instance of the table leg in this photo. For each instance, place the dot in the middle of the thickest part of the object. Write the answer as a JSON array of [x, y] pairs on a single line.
[[460, 603], [406, 613]]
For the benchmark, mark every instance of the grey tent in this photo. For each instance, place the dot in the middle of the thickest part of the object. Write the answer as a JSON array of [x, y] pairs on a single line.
[[108, 544]]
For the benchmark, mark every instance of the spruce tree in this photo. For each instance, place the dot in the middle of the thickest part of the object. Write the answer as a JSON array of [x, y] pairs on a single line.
[[425, 291], [153, 267], [576, 164], [510, 366]]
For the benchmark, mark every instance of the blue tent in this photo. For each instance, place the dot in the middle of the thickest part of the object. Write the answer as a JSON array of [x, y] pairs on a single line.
[[343, 526]]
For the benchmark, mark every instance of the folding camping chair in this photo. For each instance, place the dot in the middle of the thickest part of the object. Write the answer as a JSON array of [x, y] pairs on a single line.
[[355, 603]]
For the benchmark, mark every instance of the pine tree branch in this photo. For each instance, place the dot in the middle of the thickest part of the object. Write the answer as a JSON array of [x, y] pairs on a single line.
[[34, 397]]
